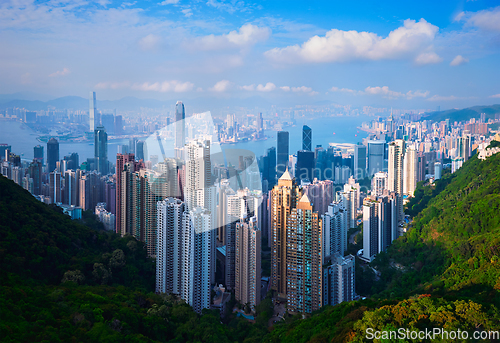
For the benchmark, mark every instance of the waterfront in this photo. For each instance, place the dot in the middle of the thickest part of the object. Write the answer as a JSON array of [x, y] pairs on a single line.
[[23, 139]]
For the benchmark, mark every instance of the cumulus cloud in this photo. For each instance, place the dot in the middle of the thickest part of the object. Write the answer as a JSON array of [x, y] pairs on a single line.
[[303, 89], [169, 2], [63, 72], [187, 12], [267, 88], [163, 87], [285, 88], [427, 58], [246, 36], [409, 40], [488, 20], [221, 86], [149, 42], [495, 96], [389, 94], [249, 88], [344, 90], [458, 60]]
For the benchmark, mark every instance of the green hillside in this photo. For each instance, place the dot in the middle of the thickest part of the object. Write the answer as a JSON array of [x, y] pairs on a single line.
[[61, 281], [463, 114]]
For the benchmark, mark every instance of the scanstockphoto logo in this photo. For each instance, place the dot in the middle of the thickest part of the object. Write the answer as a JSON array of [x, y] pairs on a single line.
[[438, 334], [185, 160]]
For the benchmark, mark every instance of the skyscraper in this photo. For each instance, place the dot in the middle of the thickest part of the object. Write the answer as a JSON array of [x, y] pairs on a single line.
[[282, 155], [395, 172], [55, 187], [380, 223], [438, 169], [304, 258], [93, 116], [121, 161], [379, 183], [359, 161], [140, 147], [410, 171], [247, 262], [101, 150], [376, 150], [260, 125], [269, 168], [52, 154], [335, 227], [305, 166], [38, 153], [306, 138], [71, 188], [180, 131], [169, 247], [283, 198], [35, 173], [339, 280], [186, 257]]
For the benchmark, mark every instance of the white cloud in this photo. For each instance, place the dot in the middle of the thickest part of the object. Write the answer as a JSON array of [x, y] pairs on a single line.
[[384, 91], [163, 87], [488, 20], [428, 58], [341, 46], [246, 36], [249, 88], [63, 72], [221, 86], [169, 2], [267, 88], [285, 88], [390, 94], [149, 42], [187, 12], [495, 96], [302, 89], [458, 60], [344, 90]]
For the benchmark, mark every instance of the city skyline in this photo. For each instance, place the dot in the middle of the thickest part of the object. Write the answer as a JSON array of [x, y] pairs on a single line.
[[408, 56]]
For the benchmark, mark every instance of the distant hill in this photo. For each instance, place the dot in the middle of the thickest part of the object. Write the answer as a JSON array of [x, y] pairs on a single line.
[[463, 114]]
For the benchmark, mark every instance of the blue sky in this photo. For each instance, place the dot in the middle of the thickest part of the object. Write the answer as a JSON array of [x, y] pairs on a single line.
[[387, 53]]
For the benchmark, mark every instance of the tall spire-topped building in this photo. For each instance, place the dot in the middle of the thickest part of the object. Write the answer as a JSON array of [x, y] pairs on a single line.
[[180, 130], [283, 199], [306, 138], [93, 119], [304, 258]]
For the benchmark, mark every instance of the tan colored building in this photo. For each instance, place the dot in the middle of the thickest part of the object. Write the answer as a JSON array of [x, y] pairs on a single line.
[[304, 258], [283, 198]]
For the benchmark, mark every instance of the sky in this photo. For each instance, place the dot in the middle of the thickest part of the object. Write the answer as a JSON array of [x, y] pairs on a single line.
[[418, 54]]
